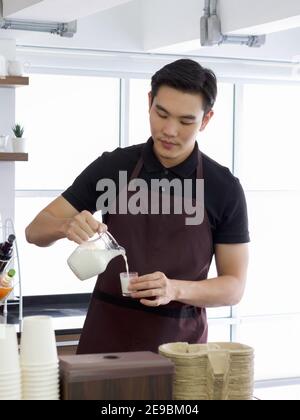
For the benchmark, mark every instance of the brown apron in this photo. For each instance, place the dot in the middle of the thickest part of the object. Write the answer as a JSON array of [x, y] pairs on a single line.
[[153, 242]]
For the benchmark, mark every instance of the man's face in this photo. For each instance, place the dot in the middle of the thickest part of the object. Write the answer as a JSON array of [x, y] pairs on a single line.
[[175, 119]]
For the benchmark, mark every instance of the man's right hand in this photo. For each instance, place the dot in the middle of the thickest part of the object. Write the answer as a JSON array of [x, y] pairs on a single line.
[[82, 227], [61, 220]]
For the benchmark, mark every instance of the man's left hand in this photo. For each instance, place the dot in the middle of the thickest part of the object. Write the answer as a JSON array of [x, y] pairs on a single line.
[[156, 286]]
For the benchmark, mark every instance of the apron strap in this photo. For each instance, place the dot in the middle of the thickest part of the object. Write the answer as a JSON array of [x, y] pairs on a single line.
[[137, 169], [200, 166]]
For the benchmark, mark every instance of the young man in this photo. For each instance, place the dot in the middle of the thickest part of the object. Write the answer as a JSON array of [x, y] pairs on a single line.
[[171, 255]]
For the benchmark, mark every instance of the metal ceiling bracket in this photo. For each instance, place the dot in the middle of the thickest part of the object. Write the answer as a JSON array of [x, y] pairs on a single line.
[[62, 29], [211, 33]]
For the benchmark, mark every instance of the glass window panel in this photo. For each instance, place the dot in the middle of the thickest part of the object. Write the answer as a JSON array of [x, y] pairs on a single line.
[[69, 121], [277, 393], [218, 332], [276, 344], [67, 322], [222, 312], [139, 127], [215, 140], [269, 151], [44, 270], [273, 282]]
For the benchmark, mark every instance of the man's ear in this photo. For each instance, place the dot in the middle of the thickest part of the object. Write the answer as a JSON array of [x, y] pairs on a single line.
[[149, 100], [206, 119]]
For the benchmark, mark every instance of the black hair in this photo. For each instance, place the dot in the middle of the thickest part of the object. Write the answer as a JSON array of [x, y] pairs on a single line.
[[187, 76]]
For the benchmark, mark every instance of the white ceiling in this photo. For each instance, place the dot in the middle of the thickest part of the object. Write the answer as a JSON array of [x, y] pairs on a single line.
[[56, 10], [259, 17], [166, 26]]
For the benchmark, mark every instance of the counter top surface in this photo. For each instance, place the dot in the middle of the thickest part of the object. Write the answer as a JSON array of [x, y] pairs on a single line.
[[68, 312], [62, 325]]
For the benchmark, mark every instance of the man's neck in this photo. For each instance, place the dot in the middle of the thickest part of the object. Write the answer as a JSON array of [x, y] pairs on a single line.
[[170, 163]]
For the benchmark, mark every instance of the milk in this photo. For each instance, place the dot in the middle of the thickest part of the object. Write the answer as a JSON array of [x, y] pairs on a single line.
[[89, 261], [126, 263]]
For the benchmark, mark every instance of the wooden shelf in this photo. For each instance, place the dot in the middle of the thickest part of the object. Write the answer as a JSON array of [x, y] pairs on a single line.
[[14, 81], [13, 157]]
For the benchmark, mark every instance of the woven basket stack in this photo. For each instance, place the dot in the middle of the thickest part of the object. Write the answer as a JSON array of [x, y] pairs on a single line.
[[213, 371]]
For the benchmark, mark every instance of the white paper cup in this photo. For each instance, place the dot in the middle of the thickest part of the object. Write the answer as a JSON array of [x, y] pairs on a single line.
[[40, 389], [51, 388], [9, 383], [9, 357], [11, 396], [38, 345], [37, 393], [125, 279], [16, 396], [41, 385], [11, 387], [40, 397], [36, 380], [11, 390], [10, 376], [40, 392], [37, 369], [40, 375]]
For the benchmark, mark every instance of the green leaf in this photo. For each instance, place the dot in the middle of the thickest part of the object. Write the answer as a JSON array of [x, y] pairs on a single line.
[[18, 130]]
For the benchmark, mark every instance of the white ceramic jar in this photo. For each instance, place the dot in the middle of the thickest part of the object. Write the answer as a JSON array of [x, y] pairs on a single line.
[[15, 68], [3, 71]]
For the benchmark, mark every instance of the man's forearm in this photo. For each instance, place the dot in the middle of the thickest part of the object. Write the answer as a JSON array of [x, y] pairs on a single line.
[[218, 291], [45, 229]]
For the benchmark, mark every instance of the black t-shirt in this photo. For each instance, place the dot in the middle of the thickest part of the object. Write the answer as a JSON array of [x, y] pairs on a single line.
[[224, 198]]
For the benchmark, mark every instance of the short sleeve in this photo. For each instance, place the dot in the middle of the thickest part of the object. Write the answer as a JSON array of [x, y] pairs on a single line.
[[233, 226], [82, 193]]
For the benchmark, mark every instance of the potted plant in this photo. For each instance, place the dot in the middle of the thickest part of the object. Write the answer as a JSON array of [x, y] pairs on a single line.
[[18, 142]]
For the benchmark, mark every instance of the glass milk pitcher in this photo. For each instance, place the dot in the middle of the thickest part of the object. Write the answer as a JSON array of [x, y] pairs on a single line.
[[92, 257]]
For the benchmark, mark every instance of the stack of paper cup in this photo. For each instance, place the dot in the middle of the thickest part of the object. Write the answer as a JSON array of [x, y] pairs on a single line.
[[10, 376], [39, 360]]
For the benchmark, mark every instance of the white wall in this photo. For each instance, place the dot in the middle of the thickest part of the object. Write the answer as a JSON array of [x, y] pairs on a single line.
[[170, 25], [258, 17], [119, 28], [7, 191], [56, 10], [7, 119]]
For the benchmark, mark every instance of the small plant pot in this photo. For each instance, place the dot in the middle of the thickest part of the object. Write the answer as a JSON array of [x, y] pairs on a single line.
[[18, 145]]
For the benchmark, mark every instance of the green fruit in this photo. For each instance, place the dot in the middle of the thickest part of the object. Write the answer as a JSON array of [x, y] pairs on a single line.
[[11, 272]]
